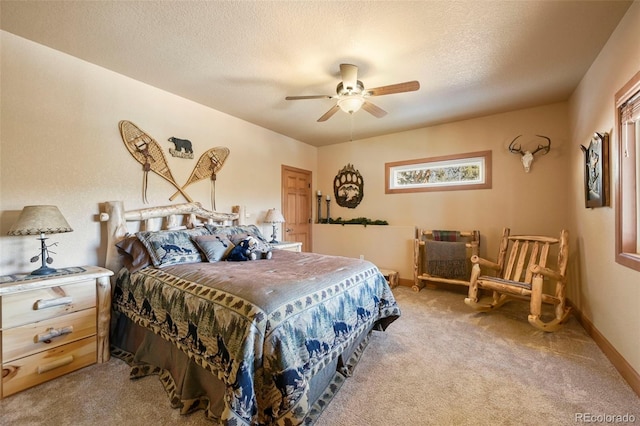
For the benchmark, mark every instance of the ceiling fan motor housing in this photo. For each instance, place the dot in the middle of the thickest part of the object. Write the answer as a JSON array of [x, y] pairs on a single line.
[[349, 91]]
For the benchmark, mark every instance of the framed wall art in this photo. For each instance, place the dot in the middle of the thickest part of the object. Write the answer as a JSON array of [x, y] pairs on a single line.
[[596, 171], [471, 170]]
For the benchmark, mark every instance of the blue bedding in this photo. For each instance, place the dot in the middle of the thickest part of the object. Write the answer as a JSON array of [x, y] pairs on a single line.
[[264, 328]]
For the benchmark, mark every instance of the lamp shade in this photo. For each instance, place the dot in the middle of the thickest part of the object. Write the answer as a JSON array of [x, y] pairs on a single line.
[[36, 220], [274, 216], [351, 104]]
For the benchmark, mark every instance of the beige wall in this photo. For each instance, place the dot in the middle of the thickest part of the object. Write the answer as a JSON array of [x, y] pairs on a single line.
[[61, 145], [608, 293], [533, 202]]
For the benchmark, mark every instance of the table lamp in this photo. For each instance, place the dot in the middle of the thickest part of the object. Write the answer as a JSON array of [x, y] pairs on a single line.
[[34, 220], [273, 217]]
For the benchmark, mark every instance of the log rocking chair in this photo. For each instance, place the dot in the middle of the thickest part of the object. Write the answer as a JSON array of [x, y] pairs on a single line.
[[522, 277]]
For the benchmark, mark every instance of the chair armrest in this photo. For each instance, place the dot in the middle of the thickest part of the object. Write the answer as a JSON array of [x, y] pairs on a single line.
[[549, 273], [476, 260]]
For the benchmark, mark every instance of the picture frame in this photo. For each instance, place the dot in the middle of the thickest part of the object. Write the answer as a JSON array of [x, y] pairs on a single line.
[[456, 172], [596, 171]]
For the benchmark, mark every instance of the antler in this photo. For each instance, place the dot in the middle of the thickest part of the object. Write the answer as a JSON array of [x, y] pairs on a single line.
[[546, 147], [517, 149]]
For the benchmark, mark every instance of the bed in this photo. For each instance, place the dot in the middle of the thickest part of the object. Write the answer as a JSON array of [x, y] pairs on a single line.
[[264, 342]]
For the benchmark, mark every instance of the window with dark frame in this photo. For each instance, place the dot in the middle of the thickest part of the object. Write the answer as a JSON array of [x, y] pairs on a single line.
[[627, 102]]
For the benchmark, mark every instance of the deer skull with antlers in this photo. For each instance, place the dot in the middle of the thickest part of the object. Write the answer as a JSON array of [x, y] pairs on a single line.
[[527, 156]]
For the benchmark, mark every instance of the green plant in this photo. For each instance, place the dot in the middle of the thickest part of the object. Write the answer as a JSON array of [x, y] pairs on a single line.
[[358, 221]]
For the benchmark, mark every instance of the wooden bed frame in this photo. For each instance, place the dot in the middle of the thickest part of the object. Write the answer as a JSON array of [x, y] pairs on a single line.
[[174, 216]]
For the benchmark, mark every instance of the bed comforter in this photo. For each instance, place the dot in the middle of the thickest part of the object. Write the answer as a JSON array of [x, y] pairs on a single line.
[[264, 328]]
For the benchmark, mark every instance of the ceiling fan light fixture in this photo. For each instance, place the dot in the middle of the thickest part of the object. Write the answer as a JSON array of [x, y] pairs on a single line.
[[351, 104], [351, 96]]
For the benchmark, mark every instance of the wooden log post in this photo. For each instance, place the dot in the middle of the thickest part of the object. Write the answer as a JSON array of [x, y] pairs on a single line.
[[536, 295], [103, 287], [417, 282], [116, 230], [473, 283]]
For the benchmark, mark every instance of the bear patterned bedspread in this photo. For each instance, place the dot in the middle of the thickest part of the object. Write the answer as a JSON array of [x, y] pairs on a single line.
[[263, 327]]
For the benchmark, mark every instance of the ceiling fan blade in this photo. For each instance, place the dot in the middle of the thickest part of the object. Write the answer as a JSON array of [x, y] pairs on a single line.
[[327, 115], [296, 98], [408, 86], [349, 75], [373, 109]]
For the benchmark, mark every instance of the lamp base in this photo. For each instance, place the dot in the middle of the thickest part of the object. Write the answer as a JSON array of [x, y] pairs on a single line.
[[273, 236], [44, 256], [44, 270]]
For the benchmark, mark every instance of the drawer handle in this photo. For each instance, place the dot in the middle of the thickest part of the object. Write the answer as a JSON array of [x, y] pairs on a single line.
[[50, 303], [55, 364], [53, 332]]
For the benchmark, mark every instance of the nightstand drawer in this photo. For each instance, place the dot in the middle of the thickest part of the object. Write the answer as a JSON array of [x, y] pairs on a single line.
[[28, 339], [37, 305], [26, 372]]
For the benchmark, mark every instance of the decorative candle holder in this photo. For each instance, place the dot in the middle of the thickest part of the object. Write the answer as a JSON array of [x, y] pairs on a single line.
[[319, 208], [328, 208]]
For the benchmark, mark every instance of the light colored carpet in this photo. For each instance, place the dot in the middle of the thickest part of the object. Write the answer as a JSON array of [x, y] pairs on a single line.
[[439, 364]]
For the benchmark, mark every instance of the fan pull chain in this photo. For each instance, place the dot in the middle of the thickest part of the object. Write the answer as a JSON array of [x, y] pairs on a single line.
[[351, 134]]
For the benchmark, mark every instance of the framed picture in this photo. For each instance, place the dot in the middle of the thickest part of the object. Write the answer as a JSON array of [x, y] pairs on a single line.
[[596, 171], [447, 173]]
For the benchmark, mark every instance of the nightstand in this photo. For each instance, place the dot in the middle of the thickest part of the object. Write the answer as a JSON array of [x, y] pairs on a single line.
[[287, 245], [52, 325]]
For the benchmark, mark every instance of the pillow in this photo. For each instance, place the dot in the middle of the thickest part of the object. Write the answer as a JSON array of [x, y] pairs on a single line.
[[172, 247], [251, 230], [214, 247], [135, 255], [237, 233]]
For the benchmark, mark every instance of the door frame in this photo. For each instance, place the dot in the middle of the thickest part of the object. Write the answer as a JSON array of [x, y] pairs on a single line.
[[283, 197]]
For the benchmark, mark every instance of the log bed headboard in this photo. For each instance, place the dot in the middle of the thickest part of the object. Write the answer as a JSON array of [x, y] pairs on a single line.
[[174, 216]]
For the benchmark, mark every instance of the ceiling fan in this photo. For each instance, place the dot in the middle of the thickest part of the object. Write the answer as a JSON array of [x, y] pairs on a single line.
[[352, 95]]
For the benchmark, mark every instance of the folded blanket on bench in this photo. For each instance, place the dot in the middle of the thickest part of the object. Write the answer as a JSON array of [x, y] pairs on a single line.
[[446, 259], [441, 235]]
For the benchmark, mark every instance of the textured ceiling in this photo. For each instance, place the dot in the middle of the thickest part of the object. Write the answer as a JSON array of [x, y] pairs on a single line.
[[471, 58]]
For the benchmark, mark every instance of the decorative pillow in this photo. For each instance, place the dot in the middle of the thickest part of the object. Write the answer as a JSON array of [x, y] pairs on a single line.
[[172, 247], [214, 247], [134, 254], [251, 230]]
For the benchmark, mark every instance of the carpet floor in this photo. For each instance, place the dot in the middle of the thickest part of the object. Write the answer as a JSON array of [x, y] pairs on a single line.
[[439, 364]]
